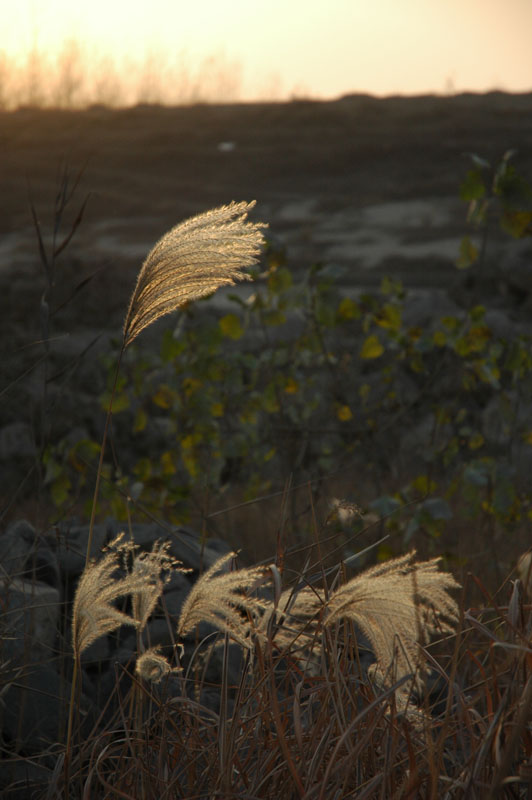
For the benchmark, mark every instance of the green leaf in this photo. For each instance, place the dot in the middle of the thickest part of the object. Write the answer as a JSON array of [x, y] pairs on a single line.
[[517, 223], [60, 489], [423, 484], [269, 399], [231, 327], [476, 440], [163, 397], [120, 401], [143, 469], [372, 348], [468, 253], [171, 347], [385, 505], [348, 309], [477, 473], [344, 413], [473, 186], [274, 318], [279, 280], [389, 316], [167, 463], [437, 508], [141, 418]]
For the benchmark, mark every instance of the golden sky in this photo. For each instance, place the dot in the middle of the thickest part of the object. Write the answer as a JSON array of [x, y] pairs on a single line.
[[317, 48]]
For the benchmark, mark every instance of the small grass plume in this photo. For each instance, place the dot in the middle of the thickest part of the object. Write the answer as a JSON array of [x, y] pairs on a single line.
[[191, 261], [151, 666], [100, 585], [224, 599], [151, 570]]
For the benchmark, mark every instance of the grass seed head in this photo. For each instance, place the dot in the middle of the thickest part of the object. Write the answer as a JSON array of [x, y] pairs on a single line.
[[191, 261], [398, 605], [152, 666], [100, 585], [224, 599], [152, 570]]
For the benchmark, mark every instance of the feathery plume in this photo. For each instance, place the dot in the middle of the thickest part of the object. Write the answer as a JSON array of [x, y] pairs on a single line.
[[99, 587], [397, 604], [152, 570], [152, 666], [191, 261], [343, 512], [224, 600]]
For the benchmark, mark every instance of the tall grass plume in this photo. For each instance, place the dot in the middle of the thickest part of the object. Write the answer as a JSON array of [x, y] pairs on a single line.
[[191, 261]]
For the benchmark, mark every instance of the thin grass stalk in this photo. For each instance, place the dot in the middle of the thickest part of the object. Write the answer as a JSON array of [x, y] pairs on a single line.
[[333, 760], [73, 686], [279, 726], [510, 749], [77, 665], [222, 738], [102, 453], [236, 721]]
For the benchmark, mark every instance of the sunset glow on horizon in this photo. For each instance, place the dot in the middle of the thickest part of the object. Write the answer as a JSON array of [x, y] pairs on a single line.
[[252, 49]]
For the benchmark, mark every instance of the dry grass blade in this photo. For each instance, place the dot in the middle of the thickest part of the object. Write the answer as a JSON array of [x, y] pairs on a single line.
[[397, 604], [224, 600], [191, 261]]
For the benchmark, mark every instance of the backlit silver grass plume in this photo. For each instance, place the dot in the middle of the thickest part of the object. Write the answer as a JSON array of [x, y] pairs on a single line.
[[225, 600], [99, 586], [191, 261], [152, 570], [109, 579], [398, 605]]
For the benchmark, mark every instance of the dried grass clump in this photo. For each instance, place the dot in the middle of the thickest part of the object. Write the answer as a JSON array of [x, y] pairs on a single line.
[[191, 261], [398, 605], [100, 585], [225, 600], [152, 666]]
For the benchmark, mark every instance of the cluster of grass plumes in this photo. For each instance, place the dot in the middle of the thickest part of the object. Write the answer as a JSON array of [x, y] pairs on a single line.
[[325, 727], [100, 586], [397, 605]]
